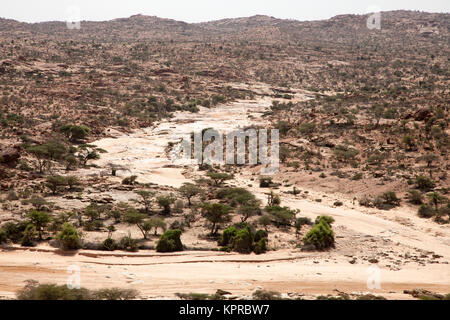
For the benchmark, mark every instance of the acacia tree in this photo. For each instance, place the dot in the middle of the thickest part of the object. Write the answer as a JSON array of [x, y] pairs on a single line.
[[249, 209], [217, 214], [55, 182], [145, 199], [156, 223], [189, 190], [88, 152], [133, 217], [41, 154], [436, 199], [39, 220], [165, 202], [219, 177], [75, 133]]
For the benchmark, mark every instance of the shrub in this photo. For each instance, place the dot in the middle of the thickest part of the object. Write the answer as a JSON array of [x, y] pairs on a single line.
[[28, 236], [38, 203], [69, 238], [326, 219], [387, 201], [423, 183], [128, 244], [265, 221], [236, 196], [300, 222], [73, 182], [177, 225], [109, 244], [266, 295], [426, 211], [14, 231], [227, 236], [95, 225], [357, 176], [115, 294], [75, 133], [243, 241], [366, 202], [241, 238], [54, 183], [265, 182], [35, 291], [129, 180], [260, 246], [260, 234], [321, 236], [280, 216], [3, 237], [415, 197], [170, 241]]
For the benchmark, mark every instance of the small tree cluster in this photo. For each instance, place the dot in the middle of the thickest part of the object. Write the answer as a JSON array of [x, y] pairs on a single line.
[[242, 238]]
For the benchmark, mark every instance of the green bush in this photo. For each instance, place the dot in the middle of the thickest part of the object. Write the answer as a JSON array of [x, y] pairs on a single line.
[[128, 244], [28, 236], [423, 183], [326, 219], [260, 246], [75, 133], [35, 291], [236, 196], [227, 236], [265, 182], [69, 238], [243, 241], [280, 216], [170, 241], [14, 231], [3, 237], [260, 234], [426, 211], [115, 294], [242, 238], [54, 183], [321, 236], [415, 197], [266, 295], [109, 244]]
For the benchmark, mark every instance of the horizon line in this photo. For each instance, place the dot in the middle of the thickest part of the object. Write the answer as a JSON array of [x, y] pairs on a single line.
[[230, 18]]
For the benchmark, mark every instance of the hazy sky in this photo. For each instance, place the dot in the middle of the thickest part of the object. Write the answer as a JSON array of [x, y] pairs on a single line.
[[205, 10]]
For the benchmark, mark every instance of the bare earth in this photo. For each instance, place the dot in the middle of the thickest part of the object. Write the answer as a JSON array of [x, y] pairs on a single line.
[[411, 252]]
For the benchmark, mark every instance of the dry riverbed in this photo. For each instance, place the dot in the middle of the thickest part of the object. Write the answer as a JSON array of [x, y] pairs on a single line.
[[410, 255]]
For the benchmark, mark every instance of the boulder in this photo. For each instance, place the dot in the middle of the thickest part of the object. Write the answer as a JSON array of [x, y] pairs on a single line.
[[422, 114], [10, 155]]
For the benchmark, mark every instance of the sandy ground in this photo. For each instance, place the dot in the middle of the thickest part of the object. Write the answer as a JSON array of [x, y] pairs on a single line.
[[410, 252], [160, 276]]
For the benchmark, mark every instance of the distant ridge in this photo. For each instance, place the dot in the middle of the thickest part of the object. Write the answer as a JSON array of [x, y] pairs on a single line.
[[338, 28]]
